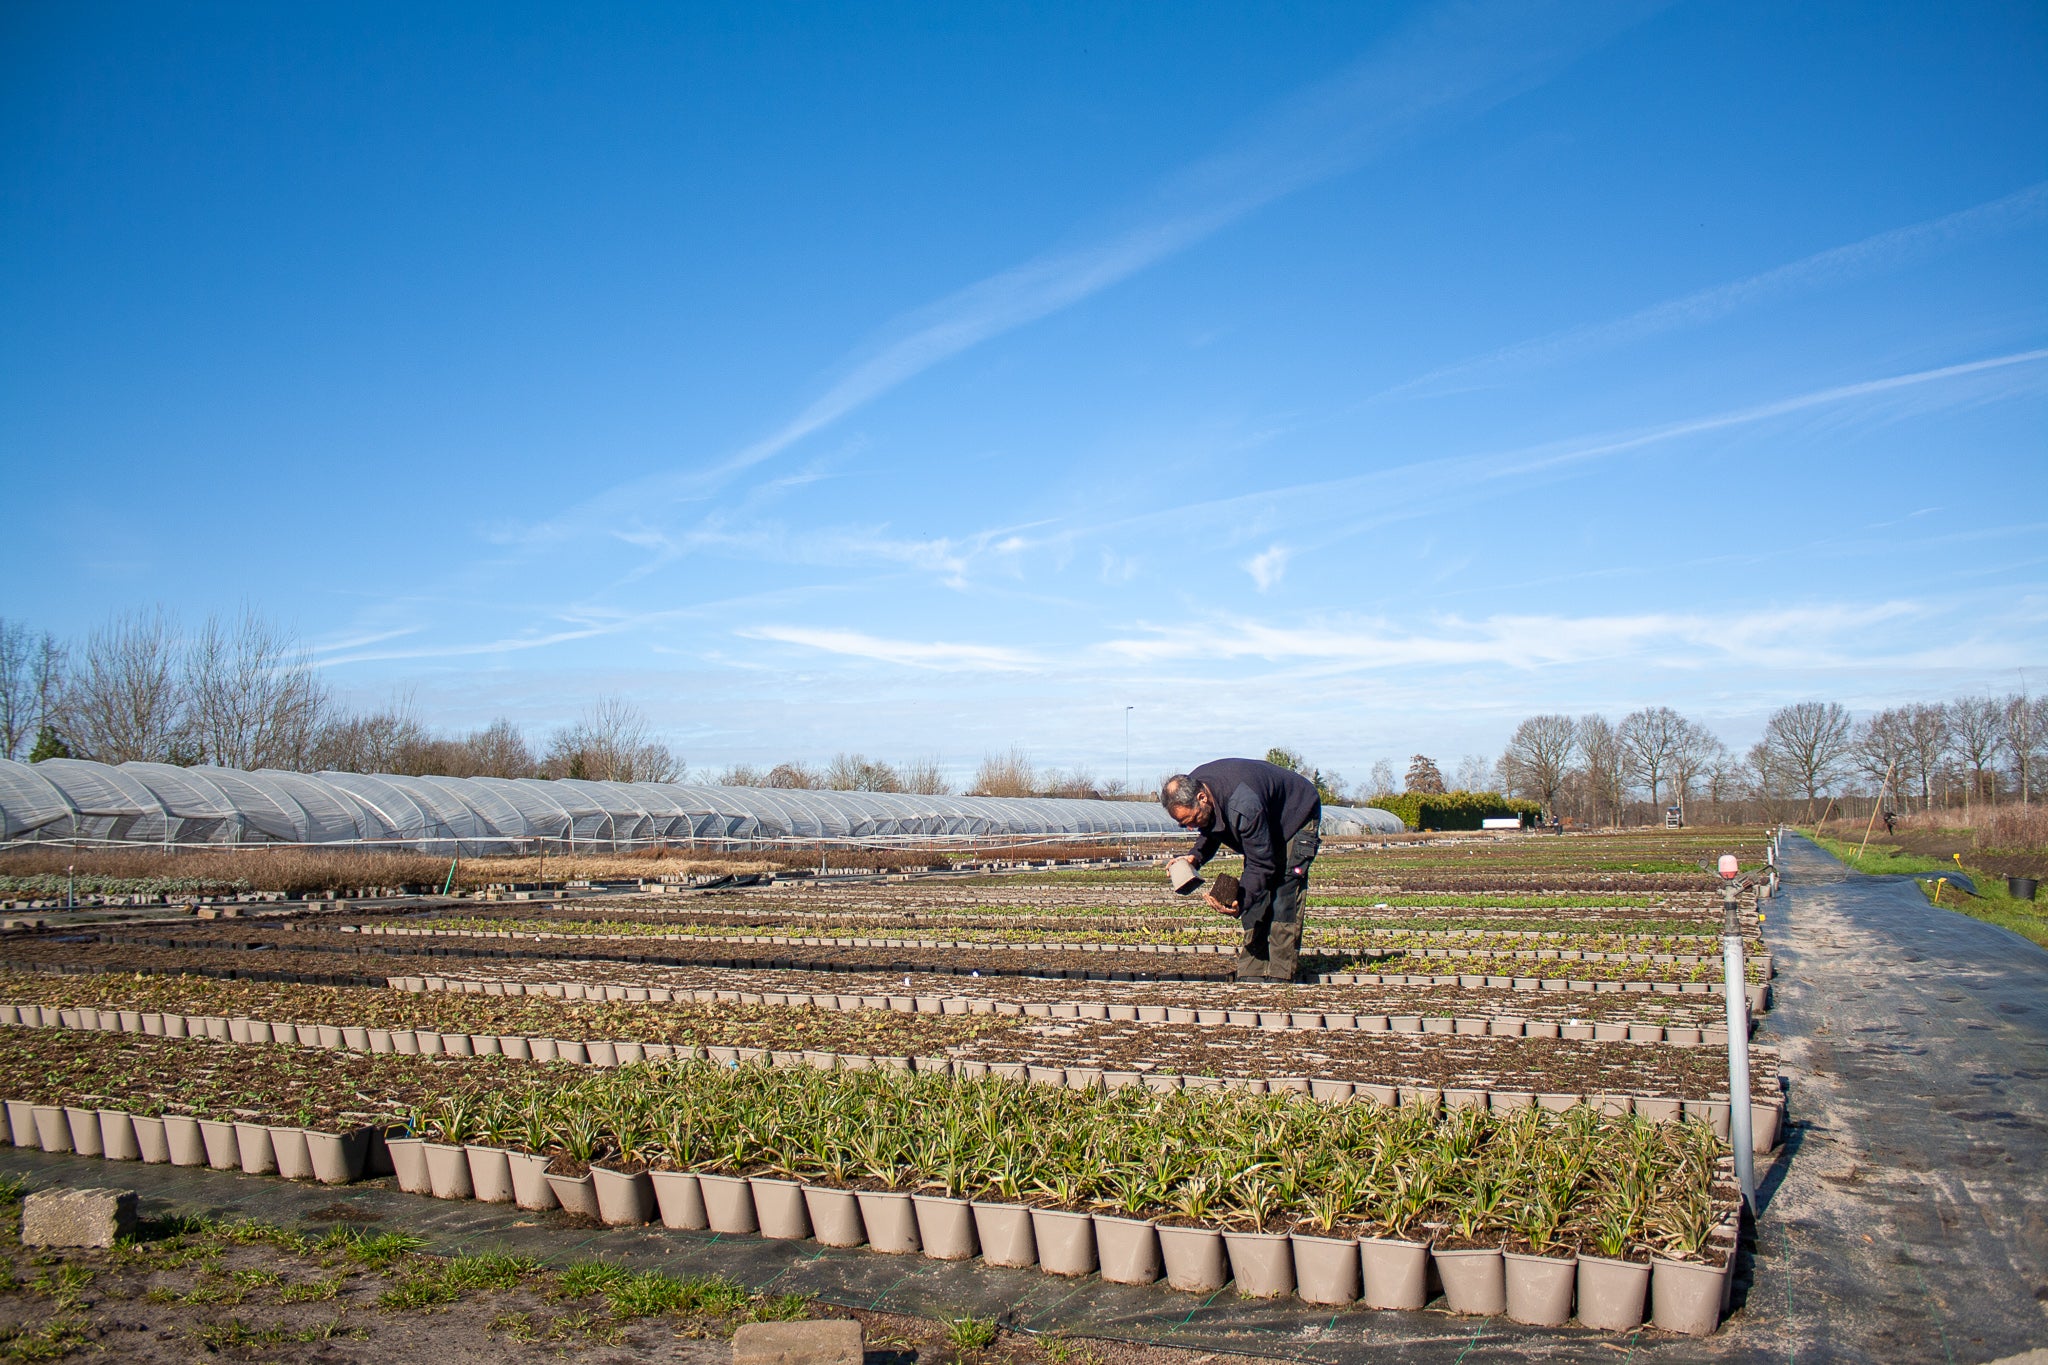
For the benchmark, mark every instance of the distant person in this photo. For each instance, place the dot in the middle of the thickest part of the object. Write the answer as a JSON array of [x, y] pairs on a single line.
[[1891, 823], [1274, 817]]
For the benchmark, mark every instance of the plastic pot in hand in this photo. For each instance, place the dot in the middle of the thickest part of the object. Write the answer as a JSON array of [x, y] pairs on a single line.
[[1181, 873]]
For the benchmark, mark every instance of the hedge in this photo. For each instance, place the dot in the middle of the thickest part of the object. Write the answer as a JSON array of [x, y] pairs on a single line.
[[1455, 810]]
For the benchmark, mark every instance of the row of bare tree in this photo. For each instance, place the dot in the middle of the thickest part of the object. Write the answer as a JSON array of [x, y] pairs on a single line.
[[240, 692], [1973, 749]]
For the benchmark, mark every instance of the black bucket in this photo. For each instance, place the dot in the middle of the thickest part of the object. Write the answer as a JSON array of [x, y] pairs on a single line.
[[2020, 888]]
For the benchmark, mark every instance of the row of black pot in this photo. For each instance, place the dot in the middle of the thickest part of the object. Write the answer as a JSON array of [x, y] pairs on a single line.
[[1680, 1296], [1498, 1026], [183, 1140], [1765, 1118]]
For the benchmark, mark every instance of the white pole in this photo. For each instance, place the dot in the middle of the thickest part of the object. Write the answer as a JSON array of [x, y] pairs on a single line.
[[1737, 989]]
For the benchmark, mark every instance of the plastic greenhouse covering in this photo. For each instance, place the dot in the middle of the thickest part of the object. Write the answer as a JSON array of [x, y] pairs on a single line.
[[157, 803]]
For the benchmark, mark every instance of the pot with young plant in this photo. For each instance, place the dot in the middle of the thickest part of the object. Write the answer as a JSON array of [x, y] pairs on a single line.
[[1127, 1242], [288, 1146], [945, 1218], [885, 1153], [530, 1134], [1394, 1265], [625, 1193], [677, 1194], [1468, 1261], [1261, 1261], [1614, 1270], [151, 1142], [1060, 1222], [490, 1164], [1190, 1247], [117, 1136], [574, 1140], [1327, 1263], [1688, 1273], [1002, 1222], [451, 1126], [1541, 1279]]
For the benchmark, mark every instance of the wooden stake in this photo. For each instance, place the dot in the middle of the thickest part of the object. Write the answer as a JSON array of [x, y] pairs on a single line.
[[1874, 809]]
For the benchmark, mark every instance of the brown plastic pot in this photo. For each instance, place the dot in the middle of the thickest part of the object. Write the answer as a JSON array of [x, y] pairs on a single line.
[[575, 1193], [252, 1143], [1005, 1233], [624, 1199], [338, 1158], [448, 1171], [1195, 1259], [150, 1142], [1128, 1249], [1262, 1263], [1474, 1280], [891, 1222], [1395, 1271], [679, 1200], [1657, 1109], [21, 1123], [945, 1227], [85, 1130], [409, 1164], [832, 1216], [728, 1203], [1326, 1269], [1612, 1294], [530, 1188], [294, 1159], [117, 1136], [1540, 1288], [223, 1152], [1686, 1296], [1066, 1241], [490, 1174], [183, 1141]]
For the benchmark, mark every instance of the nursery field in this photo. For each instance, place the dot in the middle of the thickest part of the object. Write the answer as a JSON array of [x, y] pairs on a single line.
[[1501, 1089]]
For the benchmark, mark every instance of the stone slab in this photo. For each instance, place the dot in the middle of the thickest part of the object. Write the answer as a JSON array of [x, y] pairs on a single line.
[[826, 1341], [76, 1218]]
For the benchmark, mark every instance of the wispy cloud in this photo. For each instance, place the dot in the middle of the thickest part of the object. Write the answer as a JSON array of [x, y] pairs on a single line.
[[1837, 265], [1268, 567], [929, 654]]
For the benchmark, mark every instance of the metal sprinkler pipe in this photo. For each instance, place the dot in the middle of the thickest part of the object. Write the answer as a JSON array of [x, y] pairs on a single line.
[[1736, 991]]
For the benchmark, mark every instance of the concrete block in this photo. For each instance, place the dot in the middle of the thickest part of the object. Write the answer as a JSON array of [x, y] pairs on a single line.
[[834, 1341], [76, 1218]]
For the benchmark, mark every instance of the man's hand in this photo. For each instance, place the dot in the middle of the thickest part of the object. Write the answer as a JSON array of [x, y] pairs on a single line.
[[1218, 906]]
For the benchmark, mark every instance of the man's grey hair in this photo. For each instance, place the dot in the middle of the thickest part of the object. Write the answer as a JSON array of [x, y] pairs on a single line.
[[1179, 792]]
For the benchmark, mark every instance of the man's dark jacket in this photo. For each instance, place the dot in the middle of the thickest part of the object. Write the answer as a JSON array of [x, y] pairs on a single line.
[[1259, 807]]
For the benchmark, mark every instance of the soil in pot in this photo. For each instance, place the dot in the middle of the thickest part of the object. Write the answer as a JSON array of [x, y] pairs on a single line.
[[1005, 1233], [1474, 1280], [1540, 1288], [1066, 1241], [1686, 1296], [891, 1222], [1612, 1294], [945, 1227], [728, 1203], [624, 1198], [1128, 1249], [679, 1199], [490, 1174], [1326, 1269], [1194, 1258], [294, 1158], [1396, 1272], [1262, 1263]]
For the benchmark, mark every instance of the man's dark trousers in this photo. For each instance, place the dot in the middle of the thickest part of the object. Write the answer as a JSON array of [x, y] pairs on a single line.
[[1272, 925]]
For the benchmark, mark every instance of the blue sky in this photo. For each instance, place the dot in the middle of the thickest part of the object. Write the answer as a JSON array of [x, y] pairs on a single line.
[[939, 379]]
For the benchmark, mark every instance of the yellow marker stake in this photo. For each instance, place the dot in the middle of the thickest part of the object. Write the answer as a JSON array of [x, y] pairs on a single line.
[[1939, 882]]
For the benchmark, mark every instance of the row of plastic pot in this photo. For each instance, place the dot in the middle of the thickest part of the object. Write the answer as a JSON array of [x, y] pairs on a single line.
[[182, 1140], [1765, 1117], [1679, 1296]]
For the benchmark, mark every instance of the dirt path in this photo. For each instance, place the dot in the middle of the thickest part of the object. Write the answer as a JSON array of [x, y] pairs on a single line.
[[1911, 1222]]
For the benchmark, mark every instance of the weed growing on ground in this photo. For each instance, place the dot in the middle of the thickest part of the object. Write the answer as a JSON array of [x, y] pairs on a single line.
[[968, 1335]]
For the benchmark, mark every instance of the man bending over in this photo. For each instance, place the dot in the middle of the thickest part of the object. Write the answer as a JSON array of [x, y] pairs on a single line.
[[1272, 816]]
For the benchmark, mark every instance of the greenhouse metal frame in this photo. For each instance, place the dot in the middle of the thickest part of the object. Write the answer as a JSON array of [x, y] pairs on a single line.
[[162, 805]]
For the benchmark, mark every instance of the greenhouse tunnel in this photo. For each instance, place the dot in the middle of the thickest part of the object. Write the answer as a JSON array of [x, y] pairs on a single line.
[[159, 803]]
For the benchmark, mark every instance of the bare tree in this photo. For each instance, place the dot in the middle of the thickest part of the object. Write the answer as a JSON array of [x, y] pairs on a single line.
[[1977, 725], [1650, 737], [859, 773], [794, 777], [17, 688], [611, 743], [1538, 756], [254, 697], [1423, 775], [388, 741], [1771, 780], [1695, 751], [1883, 747], [128, 702], [1475, 774], [1809, 740], [1008, 774], [498, 750], [2026, 723], [1382, 779], [925, 777], [1928, 737], [1606, 764]]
